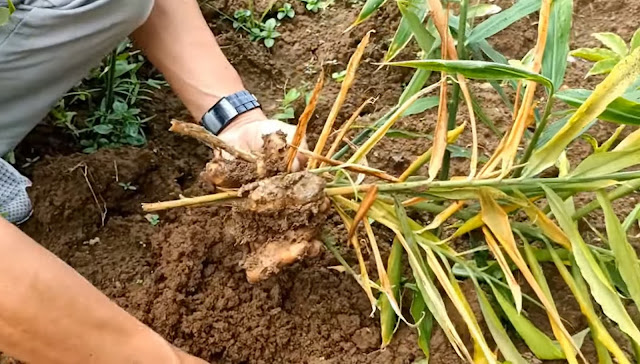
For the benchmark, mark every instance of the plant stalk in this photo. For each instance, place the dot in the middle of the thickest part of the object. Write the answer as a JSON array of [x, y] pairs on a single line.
[[111, 77], [455, 99]]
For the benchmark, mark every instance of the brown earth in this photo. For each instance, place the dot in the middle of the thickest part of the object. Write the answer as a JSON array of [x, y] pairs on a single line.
[[183, 277]]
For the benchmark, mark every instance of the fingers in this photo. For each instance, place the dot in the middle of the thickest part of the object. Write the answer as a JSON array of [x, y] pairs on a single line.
[[249, 137]]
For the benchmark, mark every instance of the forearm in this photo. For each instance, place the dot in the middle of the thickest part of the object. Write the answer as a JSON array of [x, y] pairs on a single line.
[[50, 314], [178, 41]]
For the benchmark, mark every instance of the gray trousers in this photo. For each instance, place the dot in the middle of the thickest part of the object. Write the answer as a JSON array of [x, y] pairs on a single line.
[[48, 47]]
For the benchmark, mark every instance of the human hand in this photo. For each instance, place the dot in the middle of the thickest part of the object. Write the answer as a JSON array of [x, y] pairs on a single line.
[[246, 132]]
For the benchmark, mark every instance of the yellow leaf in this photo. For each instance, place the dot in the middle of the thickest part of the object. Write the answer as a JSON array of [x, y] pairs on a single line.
[[616, 83]]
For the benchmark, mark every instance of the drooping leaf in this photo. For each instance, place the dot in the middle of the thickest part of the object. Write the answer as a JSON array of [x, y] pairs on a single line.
[[499, 334], [501, 21], [623, 75], [388, 317], [580, 291], [349, 78], [424, 320], [479, 70], [626, 257], [599, 285], [536, 269], [428, 290], [621, 110], [554, 63], [540, 344]]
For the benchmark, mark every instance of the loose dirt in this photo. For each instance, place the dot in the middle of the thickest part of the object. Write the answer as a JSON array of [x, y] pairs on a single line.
[[185, 277]]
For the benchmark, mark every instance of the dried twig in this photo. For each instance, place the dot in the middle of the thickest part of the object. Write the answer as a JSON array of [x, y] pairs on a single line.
[[189, 202], [349, 167], [101, 207], [301, 129], [212, 141], [346, 126]]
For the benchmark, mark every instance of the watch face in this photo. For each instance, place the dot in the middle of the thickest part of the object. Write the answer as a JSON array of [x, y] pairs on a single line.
[[219, 116]]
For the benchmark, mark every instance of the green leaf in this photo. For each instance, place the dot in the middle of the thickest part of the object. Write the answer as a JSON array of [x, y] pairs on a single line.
[[477, 70], [501, 21], [594, 54], [12, 8], [287, 114], [602, 67], [103, 129], [404, 33], [554, 62], [600, 164], [631, 218], [540, 344], [120, 107], [614, 86], [388, 317], [422, 105], [482, 10], [621, 110], [291, 96], [626, 258], [635, 41], [424, 320], [499, 334], [368, 9], [613, 42], [600, 287], [269, 42], [428, 290], [425, 40]]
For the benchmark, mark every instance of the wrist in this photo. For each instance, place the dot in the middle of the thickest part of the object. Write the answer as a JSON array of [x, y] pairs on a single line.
[[246, 118], [232, 111]]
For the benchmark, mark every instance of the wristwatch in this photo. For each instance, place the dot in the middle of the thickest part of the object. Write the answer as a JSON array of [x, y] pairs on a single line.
[[228, 108]]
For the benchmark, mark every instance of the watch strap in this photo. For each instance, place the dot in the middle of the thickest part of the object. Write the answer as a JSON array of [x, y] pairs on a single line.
[[228, 108]]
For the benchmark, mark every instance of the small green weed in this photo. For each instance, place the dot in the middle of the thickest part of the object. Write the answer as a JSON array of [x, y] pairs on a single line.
[[316, 5], [286, 11], [339, 76], [258, 30], [286, 110], [116, 120], [153, 219], [127, 186]]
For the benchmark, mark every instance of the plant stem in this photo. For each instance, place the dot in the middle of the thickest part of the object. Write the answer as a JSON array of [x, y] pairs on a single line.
[[111, 77], [619, 192], [455, 98], [536, 135], [189, 202], [494, 182]]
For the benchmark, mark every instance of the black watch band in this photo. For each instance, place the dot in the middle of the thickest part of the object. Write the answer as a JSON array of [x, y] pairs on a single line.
[[228, 108]]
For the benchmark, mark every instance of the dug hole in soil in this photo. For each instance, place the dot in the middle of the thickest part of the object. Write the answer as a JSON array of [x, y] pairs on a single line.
[[184, 276]]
